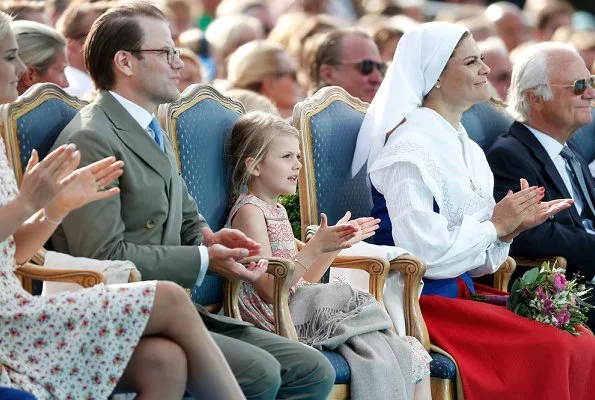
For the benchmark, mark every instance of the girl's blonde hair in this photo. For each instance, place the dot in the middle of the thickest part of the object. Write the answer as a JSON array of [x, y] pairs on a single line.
[[251, 137]]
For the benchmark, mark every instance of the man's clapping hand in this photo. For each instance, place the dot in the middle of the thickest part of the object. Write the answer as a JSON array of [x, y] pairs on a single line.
[[226, 248]]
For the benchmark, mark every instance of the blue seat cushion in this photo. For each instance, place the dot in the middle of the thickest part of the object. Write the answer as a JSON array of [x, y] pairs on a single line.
[[15, 394], [342, 370], [442, 367]]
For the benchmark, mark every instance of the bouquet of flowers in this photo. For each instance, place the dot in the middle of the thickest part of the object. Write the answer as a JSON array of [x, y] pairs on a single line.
[[544, 295]]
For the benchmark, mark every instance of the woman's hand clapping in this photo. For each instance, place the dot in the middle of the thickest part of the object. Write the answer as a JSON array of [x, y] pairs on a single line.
[[523, 210], [85, 185], [54, 184], [40, 184]]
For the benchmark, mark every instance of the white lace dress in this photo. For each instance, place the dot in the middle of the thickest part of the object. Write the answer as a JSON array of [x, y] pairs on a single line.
[[70, 345]]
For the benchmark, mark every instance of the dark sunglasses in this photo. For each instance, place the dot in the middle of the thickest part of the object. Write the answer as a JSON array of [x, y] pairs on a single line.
[[366, 67], [580, 85]]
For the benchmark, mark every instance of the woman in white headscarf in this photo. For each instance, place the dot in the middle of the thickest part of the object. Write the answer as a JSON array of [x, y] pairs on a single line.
[[438, 191]]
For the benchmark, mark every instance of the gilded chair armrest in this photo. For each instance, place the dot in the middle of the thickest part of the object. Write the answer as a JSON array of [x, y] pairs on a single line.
[[282, 271], [85, 278], [377, 267], [39, 256], [504, 273], [413, 270], [559, 261], [135, 276], [311, 231]]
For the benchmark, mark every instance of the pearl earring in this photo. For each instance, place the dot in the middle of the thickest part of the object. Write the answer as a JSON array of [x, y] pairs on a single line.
[[437, 86]]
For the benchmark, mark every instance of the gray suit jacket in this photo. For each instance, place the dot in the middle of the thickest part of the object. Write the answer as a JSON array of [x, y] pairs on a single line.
[[154, 222]]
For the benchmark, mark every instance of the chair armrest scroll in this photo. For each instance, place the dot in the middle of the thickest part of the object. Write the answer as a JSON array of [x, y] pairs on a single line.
[[84, 278], [377, 267], [504, 273], [413, 269], [39, 256], [282, 271]]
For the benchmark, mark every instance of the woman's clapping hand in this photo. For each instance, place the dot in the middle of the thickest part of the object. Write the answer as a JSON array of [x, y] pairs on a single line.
[[54, 183], [523, 210]]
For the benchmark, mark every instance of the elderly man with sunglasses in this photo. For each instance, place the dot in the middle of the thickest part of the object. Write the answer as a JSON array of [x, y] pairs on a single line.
[[348, 58], [550, 98]]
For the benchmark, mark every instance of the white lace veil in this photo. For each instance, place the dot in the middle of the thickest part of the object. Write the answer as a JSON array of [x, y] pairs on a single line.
[[420, 58]]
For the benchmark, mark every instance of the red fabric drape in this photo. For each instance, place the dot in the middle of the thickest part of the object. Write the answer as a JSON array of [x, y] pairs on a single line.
[[503, 356]]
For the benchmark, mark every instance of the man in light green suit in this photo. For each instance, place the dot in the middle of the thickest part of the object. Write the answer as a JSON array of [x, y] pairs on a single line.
[[155, 222]]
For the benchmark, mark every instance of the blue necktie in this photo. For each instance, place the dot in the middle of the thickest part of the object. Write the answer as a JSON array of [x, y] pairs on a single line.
[[156, 128]]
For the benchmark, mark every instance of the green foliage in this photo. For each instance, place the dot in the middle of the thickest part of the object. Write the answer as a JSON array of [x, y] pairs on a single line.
[[544, 295], [292, 205]]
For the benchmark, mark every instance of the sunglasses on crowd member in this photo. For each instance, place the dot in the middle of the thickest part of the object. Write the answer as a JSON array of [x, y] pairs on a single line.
[[366, 67], [580, 85]]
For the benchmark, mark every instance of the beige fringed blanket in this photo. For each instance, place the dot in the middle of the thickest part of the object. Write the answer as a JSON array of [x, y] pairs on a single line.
[[337, 317]]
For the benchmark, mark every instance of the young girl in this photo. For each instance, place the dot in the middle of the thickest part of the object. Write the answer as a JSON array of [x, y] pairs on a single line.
[[265, 157]]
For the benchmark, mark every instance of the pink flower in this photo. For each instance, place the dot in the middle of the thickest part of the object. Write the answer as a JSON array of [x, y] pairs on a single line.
[[560, 282], [563, 317], [540, 293]]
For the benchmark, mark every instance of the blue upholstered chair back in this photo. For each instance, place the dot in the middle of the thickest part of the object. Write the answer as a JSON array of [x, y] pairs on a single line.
[[484, 123], [35, 120], [199, 124], [584, 138], [329, 123]]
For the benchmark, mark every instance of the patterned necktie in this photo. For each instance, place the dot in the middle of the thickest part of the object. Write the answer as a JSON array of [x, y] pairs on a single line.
[[158, 134], [578, 177]]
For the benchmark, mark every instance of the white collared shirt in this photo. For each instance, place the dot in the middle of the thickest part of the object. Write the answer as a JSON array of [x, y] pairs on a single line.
[[144, 118]]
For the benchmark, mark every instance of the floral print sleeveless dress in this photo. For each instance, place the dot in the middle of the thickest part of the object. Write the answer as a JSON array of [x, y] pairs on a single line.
[[72, 345], [255, 310]]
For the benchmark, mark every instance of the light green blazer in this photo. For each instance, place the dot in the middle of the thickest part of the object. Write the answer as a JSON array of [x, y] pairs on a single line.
[[154, 222]]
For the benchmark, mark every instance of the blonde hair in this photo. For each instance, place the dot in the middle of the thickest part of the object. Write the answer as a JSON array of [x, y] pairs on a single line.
[[251, 137], [252, 101], [5, 21], [225, 34], [252, 62], [38, 43]]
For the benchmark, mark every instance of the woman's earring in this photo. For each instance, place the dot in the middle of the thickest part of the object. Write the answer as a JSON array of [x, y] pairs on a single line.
[[437, 85]]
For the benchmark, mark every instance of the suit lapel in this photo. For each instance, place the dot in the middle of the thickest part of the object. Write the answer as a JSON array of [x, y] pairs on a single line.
[[524, 135], [135, 137]]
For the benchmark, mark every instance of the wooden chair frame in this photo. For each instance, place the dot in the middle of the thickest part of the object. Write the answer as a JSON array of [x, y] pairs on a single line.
[[281, 269], [9, 115], [413, 268]]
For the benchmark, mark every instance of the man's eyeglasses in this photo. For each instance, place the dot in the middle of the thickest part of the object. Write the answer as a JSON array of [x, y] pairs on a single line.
[[170, 52], [580, 85], [366, 67]]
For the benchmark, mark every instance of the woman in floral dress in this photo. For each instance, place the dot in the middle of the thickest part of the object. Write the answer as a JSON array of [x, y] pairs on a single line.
[[145, 337]]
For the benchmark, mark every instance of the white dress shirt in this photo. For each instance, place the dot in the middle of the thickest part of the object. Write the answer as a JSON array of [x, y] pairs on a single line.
[[144, 118], [553, 149], [80, 83]]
